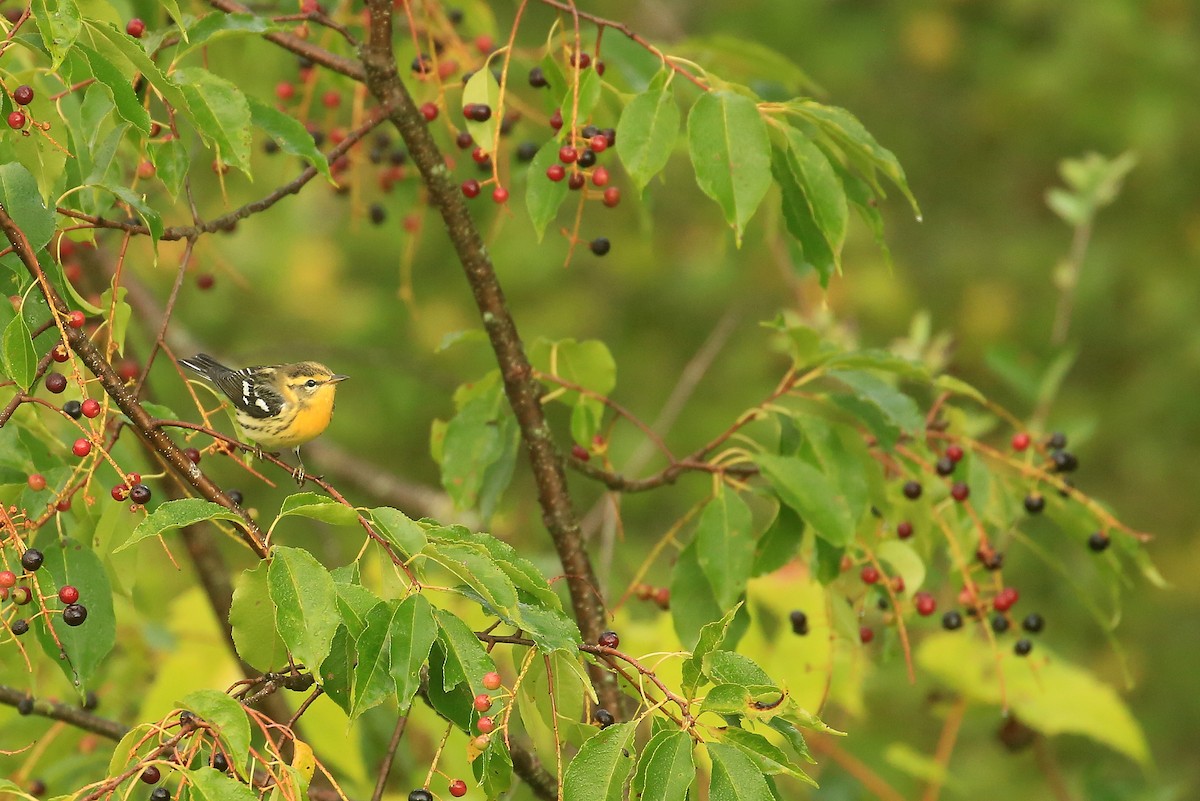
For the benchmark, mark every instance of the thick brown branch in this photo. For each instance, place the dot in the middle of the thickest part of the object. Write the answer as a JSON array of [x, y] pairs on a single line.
[[523, 391], [94, 360], [80, 718], [301, 47]]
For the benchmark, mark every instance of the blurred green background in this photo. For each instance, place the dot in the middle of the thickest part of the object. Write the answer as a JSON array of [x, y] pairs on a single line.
[[980, 102]]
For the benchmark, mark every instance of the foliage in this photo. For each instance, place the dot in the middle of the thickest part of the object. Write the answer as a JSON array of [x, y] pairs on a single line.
[[868, 488]]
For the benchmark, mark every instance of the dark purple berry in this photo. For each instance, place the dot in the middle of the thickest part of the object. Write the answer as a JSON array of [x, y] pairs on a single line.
[[1033, 623], [75, 614], [1098, 541], [944, 466], [603, 717], [600, 246], [1022, 647], [32, 559], [1035, 502], [912, 490], [799, 622]]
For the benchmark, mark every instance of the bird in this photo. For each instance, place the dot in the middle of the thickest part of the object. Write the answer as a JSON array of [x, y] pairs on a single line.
[[278, 406]]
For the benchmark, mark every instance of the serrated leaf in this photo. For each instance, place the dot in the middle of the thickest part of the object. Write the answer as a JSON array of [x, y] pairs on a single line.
[[171, 163], [480, 446], [688, 581], [20, 197], [220, 25], [116, 45], [372, 671], [665, 769], [413, 633], [725, 545], [304, 596], [598, 772], [799, 220], [543, 197], [895, 405], [731, 154], [354, 603], [337, 671], [210, 784], [768, 757], [730, 667], [220, 111], [483, 89], [466, 661], [479, 572], [493, 768], [119, 86], [227, 719], [252, 618], [85, 646], [712, 635], [20, 358], [399, 529], [317, 507], [810, 492], [59, 26], [289, 133], [734, 776], [150, 217], [176, 514], [647, 131]]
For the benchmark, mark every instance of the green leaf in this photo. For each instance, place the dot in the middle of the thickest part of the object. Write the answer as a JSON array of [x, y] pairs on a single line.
[[543, 196], [813, 496], [725, 545], [799, 220], [454, 704], [289, 132], [905, 561], [730, 667], [150, 217], [794, 737], [482, 88], [20, 358], [734, 776], [118, 46], [665, 769], [598, 772], [399, 529], [465, 660], [479, 572], [220, 25], [712, 636], [20, 197], [119, 87], [210, 784], [176, 514], [731, 154], [86, 646], [821, 185], [373, 681], [413, 633], [337, 671], [688, 581], [252, 617], [221, 113], [736, 58], [227, 718], [59, 25], [589, 96], [895, 405], [171, 163], [493, 768], [304, 596], [354, 603], [770, 758], [647, 130], [317, 507], [480, 446]]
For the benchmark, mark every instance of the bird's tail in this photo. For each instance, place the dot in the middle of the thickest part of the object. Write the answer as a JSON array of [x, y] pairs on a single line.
[[205, 365]]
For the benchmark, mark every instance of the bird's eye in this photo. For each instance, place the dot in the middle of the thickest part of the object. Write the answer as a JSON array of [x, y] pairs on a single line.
[[310, 383]]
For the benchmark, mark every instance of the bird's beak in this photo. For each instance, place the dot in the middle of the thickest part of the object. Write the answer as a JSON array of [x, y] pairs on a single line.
[[333, 379]]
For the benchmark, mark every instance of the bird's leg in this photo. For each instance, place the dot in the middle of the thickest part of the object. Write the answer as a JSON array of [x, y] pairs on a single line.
[[298, 474]]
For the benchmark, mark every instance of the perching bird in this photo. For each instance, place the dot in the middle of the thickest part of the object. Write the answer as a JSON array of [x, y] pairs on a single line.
[[278, 406]]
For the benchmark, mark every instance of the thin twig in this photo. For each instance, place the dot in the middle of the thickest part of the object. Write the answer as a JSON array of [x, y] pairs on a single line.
[[79, 718], [385, 767]]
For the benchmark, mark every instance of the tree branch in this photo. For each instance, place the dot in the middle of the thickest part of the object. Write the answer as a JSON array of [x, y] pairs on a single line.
[[79, 718]]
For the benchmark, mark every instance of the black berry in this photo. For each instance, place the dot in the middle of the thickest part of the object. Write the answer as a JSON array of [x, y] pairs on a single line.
[[912, 490], [25, 705], [526, 151], [600, 245], [464, 140], [23, 95], [1098, 541], [32, 559], [1033, 623], [587, 158], [377, 213], [56, 382], [999, 623], [1035, 502], [220, 762], [604, 717], [1064, 461], [952, 620], [420, 794], [1057, 441], [1022, 647], [91, 701], [160, 794], [537, 78], [151, 775], [945, 466], [140, 494], [73, 409], [75, 614], [799, 622], [609, 639], [589, 131], [235, 496], [19, 627]]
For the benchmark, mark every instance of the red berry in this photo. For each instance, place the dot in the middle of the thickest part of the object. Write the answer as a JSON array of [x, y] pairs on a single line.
[[205, 281], [556, 120], [128, 369], [556, 172], [662, 597], [609, 639], [479, 154], [486, 725], [285, 90], [90, 408], [954, 453], [63, 505], [458, 788], [567, 154], [151, 775], [598, 143], [869, 574], [81, 448], [865, 634], [580, 452], [1005, 599], [599, 176], [470, 187], [499, 194], [483, 702], [23, 95], [76, 319], [960, 491], [484, 44], [68, 594], [59, 354], [56, 382], [576, 181], [119, 493], [331, 99], [429, 111], [7, 579], [904, 529], [612, 196], [16, 120], [583, 59], [492, 680], [192, 454], [925, 603], [898, 584], [1020, 441], [135, 28], [37, 482], [145, 170]]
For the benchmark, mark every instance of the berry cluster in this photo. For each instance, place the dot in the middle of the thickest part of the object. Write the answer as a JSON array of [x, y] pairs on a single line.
[[20, 590]]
